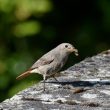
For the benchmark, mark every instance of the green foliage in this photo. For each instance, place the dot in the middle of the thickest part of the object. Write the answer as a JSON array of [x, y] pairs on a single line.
[[27, 28]]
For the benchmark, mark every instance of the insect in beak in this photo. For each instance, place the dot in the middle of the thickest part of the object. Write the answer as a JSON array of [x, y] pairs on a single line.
[[75, 51]]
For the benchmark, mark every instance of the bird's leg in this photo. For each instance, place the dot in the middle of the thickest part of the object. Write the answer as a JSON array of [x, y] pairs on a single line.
[[55, 78], [44, 82]]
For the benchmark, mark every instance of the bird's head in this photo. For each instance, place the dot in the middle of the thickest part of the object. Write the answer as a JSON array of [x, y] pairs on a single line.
[[68, 48]]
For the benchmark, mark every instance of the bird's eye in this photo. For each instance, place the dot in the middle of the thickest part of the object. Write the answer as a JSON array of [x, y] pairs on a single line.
[[66, 46]]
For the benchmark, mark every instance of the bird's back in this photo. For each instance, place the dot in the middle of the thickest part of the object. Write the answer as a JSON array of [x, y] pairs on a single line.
[[44, 60]]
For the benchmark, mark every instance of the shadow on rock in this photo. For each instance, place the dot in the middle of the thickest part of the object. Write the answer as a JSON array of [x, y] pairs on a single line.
[[83, 83]]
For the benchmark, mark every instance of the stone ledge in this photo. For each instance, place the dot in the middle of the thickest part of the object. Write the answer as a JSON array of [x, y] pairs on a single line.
[[84, 86]]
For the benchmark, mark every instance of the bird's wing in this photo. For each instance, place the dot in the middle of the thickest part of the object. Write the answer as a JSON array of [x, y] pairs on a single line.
[[42, 61]]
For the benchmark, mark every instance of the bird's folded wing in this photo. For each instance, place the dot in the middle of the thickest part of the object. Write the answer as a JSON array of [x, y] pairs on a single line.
[[42, 61], [45, 60]]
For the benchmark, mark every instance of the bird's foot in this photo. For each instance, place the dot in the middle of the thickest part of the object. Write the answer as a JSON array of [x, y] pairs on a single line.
[[55, 78]]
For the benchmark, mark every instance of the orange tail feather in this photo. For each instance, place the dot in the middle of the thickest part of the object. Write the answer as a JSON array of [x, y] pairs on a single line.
[[25, 74]]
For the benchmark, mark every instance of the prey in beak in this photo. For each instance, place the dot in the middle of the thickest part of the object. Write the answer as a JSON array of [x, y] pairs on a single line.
[[76, 52]]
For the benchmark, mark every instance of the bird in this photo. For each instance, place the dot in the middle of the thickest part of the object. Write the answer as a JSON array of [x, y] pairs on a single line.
[[51, 63]]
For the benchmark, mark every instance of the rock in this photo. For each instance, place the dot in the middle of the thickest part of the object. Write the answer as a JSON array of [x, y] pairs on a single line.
[[84, 86]]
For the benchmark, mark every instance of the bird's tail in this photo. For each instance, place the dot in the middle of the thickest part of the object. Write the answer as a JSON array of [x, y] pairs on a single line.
[[25, 74]]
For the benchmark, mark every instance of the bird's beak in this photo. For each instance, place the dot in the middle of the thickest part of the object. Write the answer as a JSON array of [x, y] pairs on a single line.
[[75, 51]]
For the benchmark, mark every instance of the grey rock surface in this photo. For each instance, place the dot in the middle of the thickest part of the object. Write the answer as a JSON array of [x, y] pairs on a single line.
[[84, 86]]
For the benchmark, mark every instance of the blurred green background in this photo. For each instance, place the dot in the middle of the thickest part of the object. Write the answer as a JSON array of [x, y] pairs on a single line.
[[30, 28]]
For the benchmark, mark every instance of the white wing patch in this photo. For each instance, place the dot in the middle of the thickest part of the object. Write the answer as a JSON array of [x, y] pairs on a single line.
[[35, 71]]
